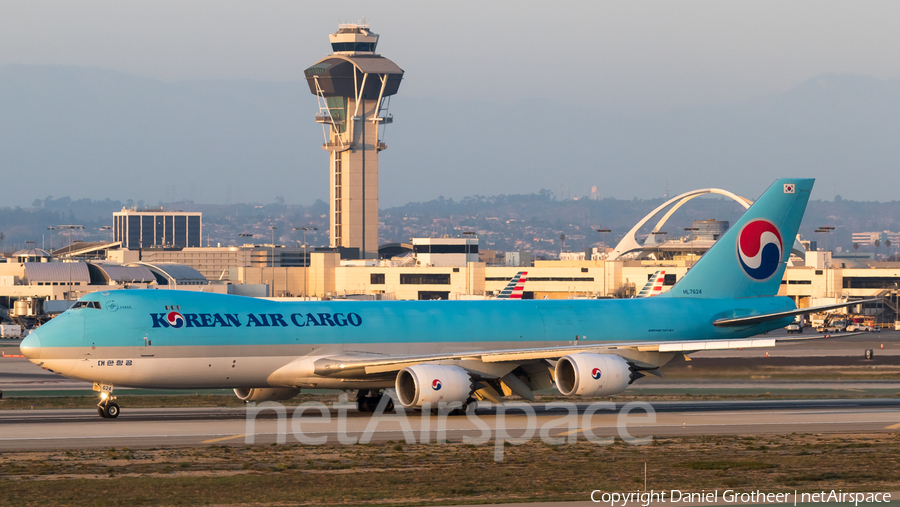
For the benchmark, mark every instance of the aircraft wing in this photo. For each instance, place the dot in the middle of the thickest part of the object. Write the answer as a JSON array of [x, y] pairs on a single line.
[[350, 366], [756, 319], [650, 354]]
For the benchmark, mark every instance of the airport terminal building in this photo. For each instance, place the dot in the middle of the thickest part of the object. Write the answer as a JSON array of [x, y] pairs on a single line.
[[147, 228]]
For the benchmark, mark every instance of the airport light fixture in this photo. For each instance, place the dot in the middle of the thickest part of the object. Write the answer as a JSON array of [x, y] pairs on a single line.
[[604, 231], [825, 230], [107, 228], [273, 259], [305, 259], [70, 229], [468, 234], [656, 235], [51, 228], [692, 230]]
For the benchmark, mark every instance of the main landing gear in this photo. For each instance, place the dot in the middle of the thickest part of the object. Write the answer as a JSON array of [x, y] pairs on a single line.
[[469, 407], [107, 408], [367, 401]]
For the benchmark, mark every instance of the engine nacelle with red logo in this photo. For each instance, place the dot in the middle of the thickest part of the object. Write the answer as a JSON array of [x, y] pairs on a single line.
[[592, 374], [266, 394], [433, 383]]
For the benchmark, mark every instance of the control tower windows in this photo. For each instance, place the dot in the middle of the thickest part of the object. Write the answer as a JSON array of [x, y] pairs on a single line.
[[353, 46]]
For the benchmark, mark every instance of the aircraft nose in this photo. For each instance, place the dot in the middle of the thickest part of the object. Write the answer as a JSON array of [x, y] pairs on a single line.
[[31, 346]]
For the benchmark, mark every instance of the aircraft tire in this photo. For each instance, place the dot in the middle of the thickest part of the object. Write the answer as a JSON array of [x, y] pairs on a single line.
[[101, 412], [112, 410], [361, 404]]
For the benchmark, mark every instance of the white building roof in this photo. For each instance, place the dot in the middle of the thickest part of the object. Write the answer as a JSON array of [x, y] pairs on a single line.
[[57, 272]]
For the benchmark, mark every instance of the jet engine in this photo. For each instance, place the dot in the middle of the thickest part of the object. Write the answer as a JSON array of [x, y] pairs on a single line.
[[433, 383], [267, 394], [593, 374]]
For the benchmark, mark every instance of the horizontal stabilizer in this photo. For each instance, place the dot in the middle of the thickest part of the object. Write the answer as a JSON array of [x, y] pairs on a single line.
[[756, 319]]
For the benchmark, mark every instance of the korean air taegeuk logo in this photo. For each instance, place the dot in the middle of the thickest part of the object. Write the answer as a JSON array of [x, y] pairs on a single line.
[[759, 248], [175, 319]]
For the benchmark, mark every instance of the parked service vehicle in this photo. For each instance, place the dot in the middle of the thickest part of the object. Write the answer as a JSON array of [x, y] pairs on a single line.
[[10, 331], [856, 327], [835, 326], [794, 327]]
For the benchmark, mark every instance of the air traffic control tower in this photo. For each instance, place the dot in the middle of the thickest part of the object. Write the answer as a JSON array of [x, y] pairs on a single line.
[[353, 86]]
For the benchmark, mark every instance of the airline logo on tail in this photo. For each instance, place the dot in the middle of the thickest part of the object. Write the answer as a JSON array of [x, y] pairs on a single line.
[[654, 285], [759, 248], [515, 287]]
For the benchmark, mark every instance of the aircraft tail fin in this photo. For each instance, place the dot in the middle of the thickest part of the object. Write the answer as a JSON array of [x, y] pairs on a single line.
[[750, 258], [654, 285], [515, 287]]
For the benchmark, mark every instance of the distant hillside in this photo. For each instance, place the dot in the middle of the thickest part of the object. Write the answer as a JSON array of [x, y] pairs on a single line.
[[94, 133], [518, 217], [531, 222]]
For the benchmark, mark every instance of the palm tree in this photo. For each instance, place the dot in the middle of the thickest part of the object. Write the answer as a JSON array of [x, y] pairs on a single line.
[[877, 244], [855, 247]]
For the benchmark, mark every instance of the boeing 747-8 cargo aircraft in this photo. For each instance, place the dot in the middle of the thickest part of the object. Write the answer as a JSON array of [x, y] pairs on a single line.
[[432, 352]]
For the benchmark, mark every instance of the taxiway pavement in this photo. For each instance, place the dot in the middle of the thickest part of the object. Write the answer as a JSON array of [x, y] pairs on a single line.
[[341, 423]]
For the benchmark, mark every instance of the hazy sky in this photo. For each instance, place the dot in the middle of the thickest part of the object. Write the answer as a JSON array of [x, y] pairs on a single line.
[[631, 57], [624, 55]]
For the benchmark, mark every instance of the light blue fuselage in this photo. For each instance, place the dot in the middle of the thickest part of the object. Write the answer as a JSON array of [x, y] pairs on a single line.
[[231, 341]]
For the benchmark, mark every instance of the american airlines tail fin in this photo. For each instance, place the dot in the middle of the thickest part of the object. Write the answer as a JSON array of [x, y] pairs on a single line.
[[515, 287], [749, 260], [654, 285]]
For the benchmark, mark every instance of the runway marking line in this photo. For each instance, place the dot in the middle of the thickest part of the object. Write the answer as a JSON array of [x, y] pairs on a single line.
[[567, 433], [221, 439], [893, 427]]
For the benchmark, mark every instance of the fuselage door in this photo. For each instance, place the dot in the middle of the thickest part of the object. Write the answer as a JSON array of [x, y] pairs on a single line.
[[146, 342]]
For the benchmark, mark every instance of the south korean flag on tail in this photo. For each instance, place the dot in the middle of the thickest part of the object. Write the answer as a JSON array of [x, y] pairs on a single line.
[[788, 188]]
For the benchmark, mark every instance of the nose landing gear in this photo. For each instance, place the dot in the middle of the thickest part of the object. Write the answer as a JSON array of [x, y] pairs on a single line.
[[107, 408], [108, 411]]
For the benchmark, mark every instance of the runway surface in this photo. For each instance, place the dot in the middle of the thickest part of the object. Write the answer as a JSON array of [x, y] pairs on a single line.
[[51, 429]]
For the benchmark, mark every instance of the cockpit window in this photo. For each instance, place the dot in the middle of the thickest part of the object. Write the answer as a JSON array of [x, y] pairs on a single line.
[[86, 304]]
